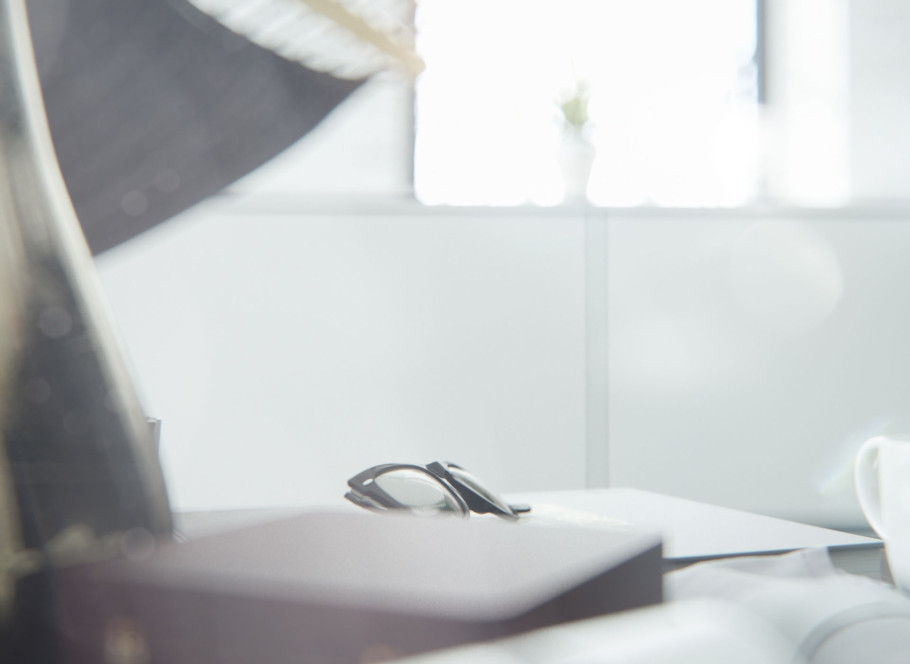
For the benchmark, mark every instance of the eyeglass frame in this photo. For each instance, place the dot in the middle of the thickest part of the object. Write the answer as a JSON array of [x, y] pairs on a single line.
[[366, 493]]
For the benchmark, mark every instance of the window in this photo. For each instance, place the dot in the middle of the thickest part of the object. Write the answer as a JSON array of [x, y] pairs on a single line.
[[660, 97]]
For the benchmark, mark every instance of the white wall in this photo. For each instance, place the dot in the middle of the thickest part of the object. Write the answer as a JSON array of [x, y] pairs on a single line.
[[747, 356], [750, 356], [285, 353]]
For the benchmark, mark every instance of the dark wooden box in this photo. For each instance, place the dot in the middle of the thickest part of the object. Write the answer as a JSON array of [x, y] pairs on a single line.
[[348, 587]]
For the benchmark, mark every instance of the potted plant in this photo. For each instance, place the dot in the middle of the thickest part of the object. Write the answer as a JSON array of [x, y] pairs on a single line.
[[576, 153]]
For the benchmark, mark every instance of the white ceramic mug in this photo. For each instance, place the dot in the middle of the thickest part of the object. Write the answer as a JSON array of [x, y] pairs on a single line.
[[881, 473]]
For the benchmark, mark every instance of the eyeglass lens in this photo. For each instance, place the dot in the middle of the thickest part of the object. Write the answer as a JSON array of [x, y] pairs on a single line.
[[420, 492]]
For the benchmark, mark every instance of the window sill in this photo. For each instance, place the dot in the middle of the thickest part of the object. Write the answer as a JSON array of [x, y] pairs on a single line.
[[403, 204]]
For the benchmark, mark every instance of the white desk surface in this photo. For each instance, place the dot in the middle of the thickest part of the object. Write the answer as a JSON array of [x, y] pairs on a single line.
[[689, 529]]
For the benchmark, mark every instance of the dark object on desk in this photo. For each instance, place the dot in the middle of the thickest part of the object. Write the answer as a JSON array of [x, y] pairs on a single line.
[[154, 106], [351, 587]]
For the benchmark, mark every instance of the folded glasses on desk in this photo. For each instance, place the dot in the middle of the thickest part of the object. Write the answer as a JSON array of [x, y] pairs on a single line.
[[432, 490]]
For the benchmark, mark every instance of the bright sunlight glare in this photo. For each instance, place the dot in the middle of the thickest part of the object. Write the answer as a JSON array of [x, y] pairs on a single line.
[[662, 101]]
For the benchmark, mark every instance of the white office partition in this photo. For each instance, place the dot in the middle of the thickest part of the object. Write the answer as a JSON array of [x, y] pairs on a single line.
[[285, 352], [734, 358], [750, 355]]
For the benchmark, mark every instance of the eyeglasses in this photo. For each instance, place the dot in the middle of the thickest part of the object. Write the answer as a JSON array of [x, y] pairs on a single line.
[[431, 490]]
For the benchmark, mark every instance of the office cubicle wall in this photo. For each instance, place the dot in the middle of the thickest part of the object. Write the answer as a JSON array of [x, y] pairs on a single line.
[[750, 355], [286, 352], [747, 355]]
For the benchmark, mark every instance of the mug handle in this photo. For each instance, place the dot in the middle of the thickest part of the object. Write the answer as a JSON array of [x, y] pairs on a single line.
[[865, 479]]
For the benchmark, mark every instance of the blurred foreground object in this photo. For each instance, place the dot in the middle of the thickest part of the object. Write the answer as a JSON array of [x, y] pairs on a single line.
[[154, 106], [79, 473], [692, 632], [150, 108], [349, 39], [336, 586], [828, 616]]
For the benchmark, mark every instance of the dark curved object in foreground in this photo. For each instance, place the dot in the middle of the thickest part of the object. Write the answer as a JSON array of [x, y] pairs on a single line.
[[151, 109], [154, 106]]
